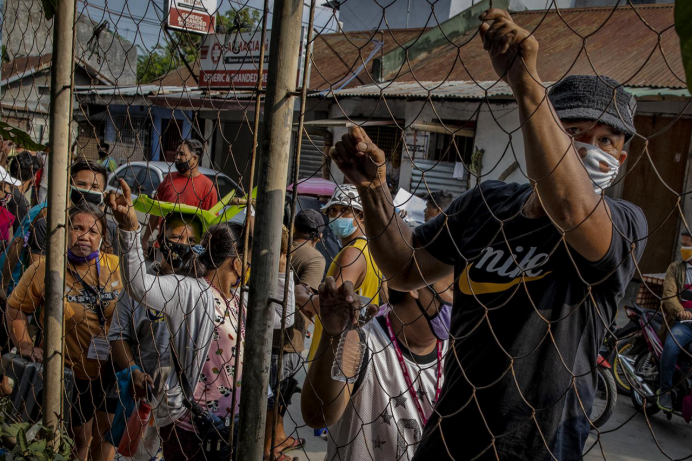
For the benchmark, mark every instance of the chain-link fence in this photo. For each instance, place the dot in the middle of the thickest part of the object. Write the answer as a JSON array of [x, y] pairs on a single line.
[[353, 230]]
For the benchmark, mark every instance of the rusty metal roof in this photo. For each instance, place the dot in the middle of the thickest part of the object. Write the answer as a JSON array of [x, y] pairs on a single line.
[[25, 66], [466, 90], [425, 89], [337, 56], [622, 43]]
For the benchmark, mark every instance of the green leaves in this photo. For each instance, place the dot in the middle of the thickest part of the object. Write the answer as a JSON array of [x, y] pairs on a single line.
[[682, 23], [27, 441], [20, 138], [49, 7]]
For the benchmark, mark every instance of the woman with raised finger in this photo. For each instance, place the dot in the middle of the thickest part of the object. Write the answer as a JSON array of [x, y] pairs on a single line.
[[139, 336], [201, 307], [92, 287]]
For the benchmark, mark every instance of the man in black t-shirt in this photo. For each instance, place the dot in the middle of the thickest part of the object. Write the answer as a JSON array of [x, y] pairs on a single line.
[[539, 271]]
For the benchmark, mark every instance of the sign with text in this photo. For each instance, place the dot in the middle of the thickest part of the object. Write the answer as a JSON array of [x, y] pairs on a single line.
[[194, 16], [233, 60]]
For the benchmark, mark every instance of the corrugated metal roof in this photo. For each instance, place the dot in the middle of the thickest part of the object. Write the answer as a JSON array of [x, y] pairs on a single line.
[[135, 90], [472, 90], [336, 56], [621, 43], [451, 90]]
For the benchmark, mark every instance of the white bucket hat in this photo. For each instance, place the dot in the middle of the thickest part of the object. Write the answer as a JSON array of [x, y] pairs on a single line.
[[346, 195], [7, 178]]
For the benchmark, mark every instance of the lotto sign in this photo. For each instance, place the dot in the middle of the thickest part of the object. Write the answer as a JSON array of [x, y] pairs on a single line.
[[232, 60], [196, 16]]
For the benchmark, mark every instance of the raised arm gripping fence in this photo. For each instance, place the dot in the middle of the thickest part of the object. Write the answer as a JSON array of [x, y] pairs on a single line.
[[516, 212]]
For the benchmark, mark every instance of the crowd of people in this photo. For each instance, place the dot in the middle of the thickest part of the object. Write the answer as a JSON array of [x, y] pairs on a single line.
[[481, 327]]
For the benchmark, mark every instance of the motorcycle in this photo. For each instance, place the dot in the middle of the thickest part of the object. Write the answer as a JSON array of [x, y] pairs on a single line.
[[605, 395], [625, 341], [642, 371]]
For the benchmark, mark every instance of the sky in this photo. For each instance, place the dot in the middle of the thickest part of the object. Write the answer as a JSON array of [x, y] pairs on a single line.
[[138, 20]]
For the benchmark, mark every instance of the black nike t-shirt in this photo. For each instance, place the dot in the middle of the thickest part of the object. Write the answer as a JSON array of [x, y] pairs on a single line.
[[525, 325]]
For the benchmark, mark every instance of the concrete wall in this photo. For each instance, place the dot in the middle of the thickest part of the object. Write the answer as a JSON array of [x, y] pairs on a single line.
[[26, 32], [501, 150]]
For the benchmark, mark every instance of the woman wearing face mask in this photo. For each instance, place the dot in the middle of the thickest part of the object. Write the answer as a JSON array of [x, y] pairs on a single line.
[[354, 262], [92, 287], [140, 337], [201, 307]]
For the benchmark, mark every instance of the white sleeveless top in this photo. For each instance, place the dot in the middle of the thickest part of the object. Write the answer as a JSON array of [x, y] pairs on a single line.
[[381, 422]]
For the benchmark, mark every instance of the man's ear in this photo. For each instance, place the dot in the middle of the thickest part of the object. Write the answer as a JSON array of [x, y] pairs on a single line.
[[622, 157], [414, 294]]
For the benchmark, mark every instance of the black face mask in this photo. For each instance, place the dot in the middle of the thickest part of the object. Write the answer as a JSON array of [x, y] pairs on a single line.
[[79, 196], [174, 252], [183, 167]]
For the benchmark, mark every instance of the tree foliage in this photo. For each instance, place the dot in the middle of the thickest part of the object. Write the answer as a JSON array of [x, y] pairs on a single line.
[[155, 63]]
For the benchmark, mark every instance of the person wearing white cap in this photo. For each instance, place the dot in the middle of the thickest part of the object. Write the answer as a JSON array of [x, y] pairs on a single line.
[[6, 218], [353, 263]]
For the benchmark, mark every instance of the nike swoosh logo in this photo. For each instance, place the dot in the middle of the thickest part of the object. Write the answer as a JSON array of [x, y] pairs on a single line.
[[469, 287]]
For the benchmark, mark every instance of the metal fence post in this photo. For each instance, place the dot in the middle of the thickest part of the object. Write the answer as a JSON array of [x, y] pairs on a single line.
[[60, 136], [273, 168]]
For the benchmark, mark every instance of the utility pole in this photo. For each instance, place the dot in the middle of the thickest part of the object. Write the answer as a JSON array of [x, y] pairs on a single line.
[[60, 138], [273, 168]]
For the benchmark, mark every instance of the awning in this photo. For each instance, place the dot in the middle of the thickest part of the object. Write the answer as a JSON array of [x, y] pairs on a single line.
[[344, 122], [439, 128]]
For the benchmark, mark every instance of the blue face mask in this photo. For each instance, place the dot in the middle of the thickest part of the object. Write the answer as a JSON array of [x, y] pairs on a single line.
[[343, 227]]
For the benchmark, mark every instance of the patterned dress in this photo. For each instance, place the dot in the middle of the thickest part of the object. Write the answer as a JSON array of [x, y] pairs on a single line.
[[218, 379]]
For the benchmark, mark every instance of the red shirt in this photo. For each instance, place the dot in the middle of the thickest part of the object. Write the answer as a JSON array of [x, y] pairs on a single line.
[[178, 189]]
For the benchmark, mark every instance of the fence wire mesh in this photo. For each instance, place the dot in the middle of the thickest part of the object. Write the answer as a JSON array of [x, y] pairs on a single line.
[[463, 270]]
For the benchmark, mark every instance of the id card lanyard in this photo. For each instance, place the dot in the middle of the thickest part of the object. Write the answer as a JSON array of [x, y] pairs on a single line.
[[96, 293], [405, 371]]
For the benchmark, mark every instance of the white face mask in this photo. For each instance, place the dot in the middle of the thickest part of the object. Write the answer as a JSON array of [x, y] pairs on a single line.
[[595, 156]]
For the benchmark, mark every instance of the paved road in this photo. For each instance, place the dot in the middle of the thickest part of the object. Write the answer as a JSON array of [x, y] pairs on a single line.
[[626, 436], [632, 441], [635, 440]]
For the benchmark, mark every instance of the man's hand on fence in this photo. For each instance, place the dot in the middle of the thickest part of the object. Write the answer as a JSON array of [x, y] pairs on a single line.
[[29, 351], [123, 210], [140, 380], [339, 306], [362, 162], [512, 49], [685, 315]]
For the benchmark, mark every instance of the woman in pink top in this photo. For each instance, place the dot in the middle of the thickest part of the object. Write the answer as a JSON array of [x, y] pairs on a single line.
[[6, 218]]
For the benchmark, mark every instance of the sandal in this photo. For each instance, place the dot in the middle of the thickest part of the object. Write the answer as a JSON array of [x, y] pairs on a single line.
[[297, 444]]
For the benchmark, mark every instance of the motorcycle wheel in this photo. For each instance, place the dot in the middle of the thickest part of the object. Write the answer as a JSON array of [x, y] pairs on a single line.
[[645, 365], [604, 398], [625, 348]]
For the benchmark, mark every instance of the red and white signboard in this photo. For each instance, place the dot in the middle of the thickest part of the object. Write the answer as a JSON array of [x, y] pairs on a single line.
[[232, 61], [195, 16]]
